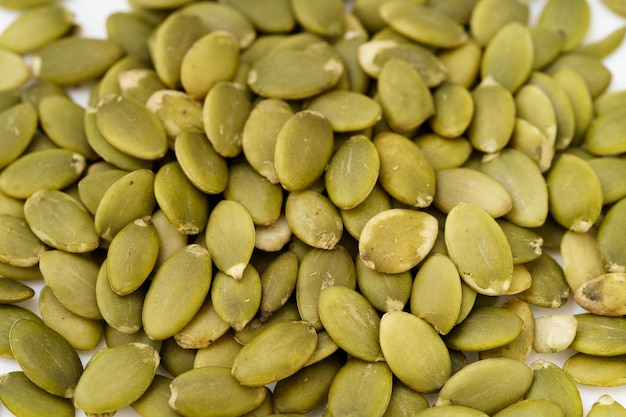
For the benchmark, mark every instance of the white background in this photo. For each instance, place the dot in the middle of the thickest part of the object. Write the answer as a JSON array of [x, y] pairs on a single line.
[[91, 16]]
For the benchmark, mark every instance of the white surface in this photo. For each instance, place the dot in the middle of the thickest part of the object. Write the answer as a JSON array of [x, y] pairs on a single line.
[[91, 16]]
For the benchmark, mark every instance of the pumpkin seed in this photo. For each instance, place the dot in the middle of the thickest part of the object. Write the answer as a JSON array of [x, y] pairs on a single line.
[[23, 398], [227, 293], [155, 399], [485, 328], [19, 246], [550, 382], [602, 295], [18, 124], [609, 238], [606, 406], [536, 407], [10, 315], [598, 335]]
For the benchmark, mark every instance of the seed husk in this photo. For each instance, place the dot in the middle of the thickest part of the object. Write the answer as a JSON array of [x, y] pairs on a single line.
[[61, 221], [74, 60], [116, 377], [46, 358], [23, 398], [348, 390], [168, 293], [469, 386], [479, 248], [602, 295], [218, 388]]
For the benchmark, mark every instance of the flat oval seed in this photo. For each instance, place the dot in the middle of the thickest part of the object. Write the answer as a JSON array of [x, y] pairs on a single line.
[[92, 187], [603, 295], [293, 74], [45, 357], [610, 173], [268, 15], [463, 184], [219, 48], [36, 27], [53, 169], [276, 353], [186, 207], [18, 124], [278, 282], [600, 336], [209, 392], [325, 18], [346, 111], [313, 219], [13, 70], [204, 167], [592, 70], [351, 322], [135, 192], [596, 371], [610, 238], [305, 133], [414, 351], [508, 57], [548, 44], [381, 250], [485, 328], [61, 221], [72, 277], [12, 291], [223, 17], [580, 97], [176, 110], [9, 314], [525, 244], [569, 205], [203, 330], [226, 108], [450, 411], [355, 219], [443, 152], [23, 398], [82, 333], [405, 172], [155, 399], [605, 133], [131, 32], [423, 24], [168, 293], [454, 109], [549, 288], [404, 402], [522, 346], [74, 60], [131, 127], [260, 132], [606, 406], [385, 292], [405, 98], [227, 293], [494, 116], [489, 385], [132, 255], [320, 268], [537, 407], [479, 248], [580, 257], [488, 16], [551, 383], [19, 246], [571, 18], [116, 377], [229, 237]]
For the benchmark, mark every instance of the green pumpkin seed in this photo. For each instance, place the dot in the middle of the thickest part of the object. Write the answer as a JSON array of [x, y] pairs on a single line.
[[444, 153], [569, 206], [294, 74], [454, 109], [479, 248], [470, 55], [591, 69], [534, 106], [436, 293], [313, 219], [450, 411], [530, 140], [521, 347], [278, 281], [525, 244], [580, 256], [46, 357], [488, 16], [74, 60], [569, 18], [480, 385], [14, 72], [596, 370], [9, 315], [61, 221], [176, 110], [209, 392], [203, 330], [404, 402], [381, 251], [551, 383], [548, 44], [18, 124], [176, 359], [139, 83], [605, 405], [609, 101], [92, 187], [135, 192], [320, 268], [385, 292], [602, 295], [273, 237], [221, 352], [599, 336], [605, 133], [360, 388], [131, 127], [407, 110], [325, 18], [109, 83], [23, 398], [609, 171], [288, 345], [610, 237], [116, 377], [30, 273], [131, 32], [401, 336], [305, 133], [346, 111], [122, 313], [155, 399], [217, 16], [485, 328], [227, 294], [355, 219], [268, 16], [580, 97], [51, 169], [168, 293], [354, 328], [80, 332], [308, 388], [230, 237], [537, 407], [19, 246], [405, 172], [549, 288], [13, 291]]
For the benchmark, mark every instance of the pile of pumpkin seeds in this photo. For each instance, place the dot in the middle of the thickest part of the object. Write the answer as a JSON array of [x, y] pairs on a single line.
[[271, 207]]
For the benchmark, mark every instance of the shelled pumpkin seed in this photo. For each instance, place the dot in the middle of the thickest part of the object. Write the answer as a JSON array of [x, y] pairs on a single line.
[[432, 144]]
